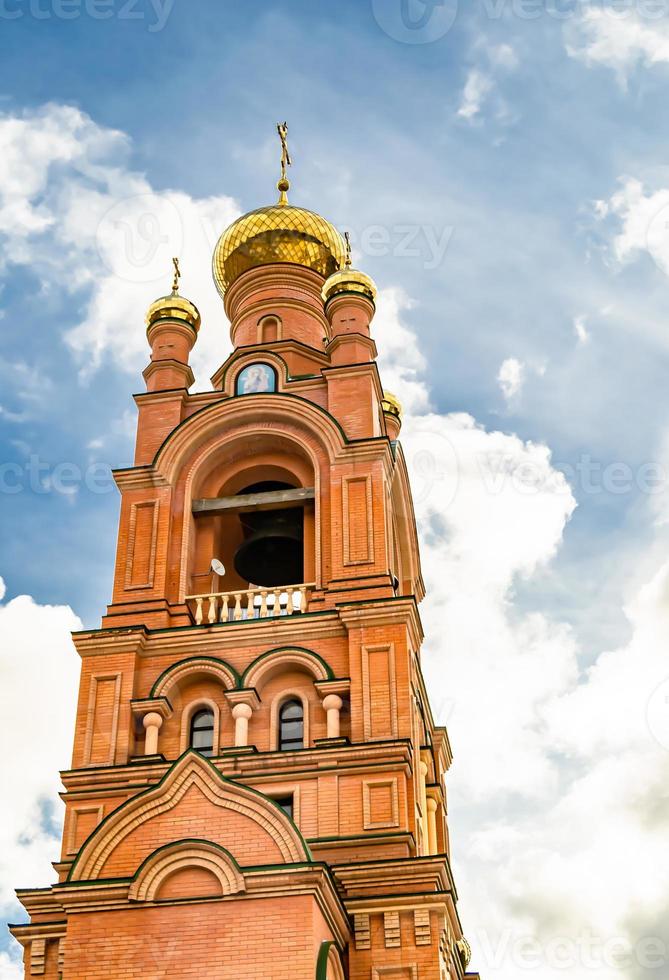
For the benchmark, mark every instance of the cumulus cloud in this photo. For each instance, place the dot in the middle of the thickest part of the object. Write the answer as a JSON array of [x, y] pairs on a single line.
[[74, 212], [40, 671], [558, 787], [618, 38], [11, 967], [643, 222]]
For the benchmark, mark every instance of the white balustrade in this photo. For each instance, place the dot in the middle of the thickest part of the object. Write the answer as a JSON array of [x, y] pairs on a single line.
[[226, 607]]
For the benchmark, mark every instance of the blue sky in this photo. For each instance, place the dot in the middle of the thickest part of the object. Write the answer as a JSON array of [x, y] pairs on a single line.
[[505, 182]]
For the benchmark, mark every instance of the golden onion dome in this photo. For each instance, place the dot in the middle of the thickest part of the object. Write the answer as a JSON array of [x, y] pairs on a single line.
[[174, 307], [391, 404], [349, 280], [465, 951], [278, 233]]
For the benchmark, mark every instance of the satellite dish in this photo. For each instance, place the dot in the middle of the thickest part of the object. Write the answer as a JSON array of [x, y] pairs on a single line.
[[217, 567]]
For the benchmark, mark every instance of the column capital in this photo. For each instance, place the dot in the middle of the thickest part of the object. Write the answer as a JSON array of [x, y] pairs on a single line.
[[248, 696], [144, 706], [340, 686]]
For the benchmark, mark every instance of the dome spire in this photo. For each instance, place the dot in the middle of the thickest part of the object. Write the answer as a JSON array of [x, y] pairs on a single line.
[[283, 186]]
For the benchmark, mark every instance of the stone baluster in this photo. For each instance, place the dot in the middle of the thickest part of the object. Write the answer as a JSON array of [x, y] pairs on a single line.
[[198, 611]]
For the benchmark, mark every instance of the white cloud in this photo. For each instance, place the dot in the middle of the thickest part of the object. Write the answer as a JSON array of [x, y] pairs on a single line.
[[72, 210], [405, 363], [511, 377], [11, 967], [477, 86], [482, 79], [503, 56], [618, 39], [581, 329], [40, 671], [643, 218], [559, 782]]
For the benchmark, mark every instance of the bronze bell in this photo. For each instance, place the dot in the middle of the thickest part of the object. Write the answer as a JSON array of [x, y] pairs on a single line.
[[272, 552]]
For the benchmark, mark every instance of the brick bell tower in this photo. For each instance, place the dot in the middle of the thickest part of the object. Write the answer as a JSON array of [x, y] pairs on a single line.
[[257, 784]]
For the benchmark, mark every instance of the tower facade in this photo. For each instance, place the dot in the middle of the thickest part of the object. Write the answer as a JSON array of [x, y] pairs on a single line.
[[258, 785]]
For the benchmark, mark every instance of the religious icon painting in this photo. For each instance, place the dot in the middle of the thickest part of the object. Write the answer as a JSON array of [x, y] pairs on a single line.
[[256, 378]]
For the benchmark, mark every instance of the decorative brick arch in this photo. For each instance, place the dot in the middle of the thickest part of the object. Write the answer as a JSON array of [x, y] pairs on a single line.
[[188, 450], [278, 411], [328, 964], [218, 669], [283, 657], [191, 770], [181, 855]]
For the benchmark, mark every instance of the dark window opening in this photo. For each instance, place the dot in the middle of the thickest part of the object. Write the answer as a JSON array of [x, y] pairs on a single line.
[[286, 804], [291, 726], [202, 732]]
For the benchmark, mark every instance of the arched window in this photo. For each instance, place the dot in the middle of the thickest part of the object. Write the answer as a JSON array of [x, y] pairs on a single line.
[[202, 732], [291, 726], [268, 329]]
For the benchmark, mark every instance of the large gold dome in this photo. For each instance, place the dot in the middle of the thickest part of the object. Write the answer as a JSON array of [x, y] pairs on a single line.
[[278, 233]]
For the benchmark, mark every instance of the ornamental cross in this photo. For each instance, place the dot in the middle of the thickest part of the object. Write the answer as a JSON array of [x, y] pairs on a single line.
[[282, 130], [177, 275], [347, 260]]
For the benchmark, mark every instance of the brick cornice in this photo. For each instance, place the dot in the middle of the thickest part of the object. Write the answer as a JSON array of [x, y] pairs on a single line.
[[261, 766], [208, 640], [270, 882], [384, 612]]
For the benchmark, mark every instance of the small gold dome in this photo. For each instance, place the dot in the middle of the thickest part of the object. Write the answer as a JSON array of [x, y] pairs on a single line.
[[174, 307], [391, 404], [349, 280], [465, 951], [278, 233]]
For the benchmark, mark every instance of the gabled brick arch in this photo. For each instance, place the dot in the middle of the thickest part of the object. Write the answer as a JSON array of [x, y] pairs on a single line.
[[212, 666], [284, 657], [184, 854], [191, 770]]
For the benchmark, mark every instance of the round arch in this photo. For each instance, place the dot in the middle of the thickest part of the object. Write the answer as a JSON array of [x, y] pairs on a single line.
[[180, 855], [282, 657], [218, 421], [219, 670], [308, 432]]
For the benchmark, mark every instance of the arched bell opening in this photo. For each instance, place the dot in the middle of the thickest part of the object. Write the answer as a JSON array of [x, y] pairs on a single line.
[[271, 553], [254, 514]]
